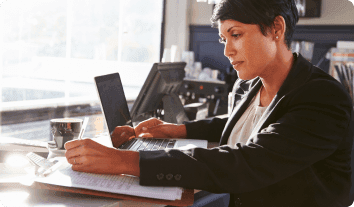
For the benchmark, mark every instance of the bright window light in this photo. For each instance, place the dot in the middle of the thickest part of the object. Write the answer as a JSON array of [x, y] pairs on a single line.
[[51, 50], [17, 161]]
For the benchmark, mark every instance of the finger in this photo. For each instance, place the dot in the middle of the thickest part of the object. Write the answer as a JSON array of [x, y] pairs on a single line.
[[92, 165], [148, 123], [142, 126], [87, 168], [87, 147], [123, 131], [161, 131], [72, 153], [122, 134], [73, 144], [120, 129], [80, 168], [156, 129], [145, 135], [74, 161]]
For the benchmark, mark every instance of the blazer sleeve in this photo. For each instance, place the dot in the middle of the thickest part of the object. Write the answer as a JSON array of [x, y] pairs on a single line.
[[208, 129], [311, 123]]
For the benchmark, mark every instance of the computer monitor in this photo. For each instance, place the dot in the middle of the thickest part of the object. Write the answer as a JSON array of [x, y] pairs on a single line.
[[159, 94]]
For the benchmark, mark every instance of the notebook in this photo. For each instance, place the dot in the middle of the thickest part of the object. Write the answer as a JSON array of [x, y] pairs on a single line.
[[116, 112]]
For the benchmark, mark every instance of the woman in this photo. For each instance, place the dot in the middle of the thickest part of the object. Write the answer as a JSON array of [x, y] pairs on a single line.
[[286, 142]]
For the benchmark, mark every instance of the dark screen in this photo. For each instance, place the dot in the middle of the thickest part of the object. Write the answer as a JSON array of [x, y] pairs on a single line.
[[113, 101], [164, 79]]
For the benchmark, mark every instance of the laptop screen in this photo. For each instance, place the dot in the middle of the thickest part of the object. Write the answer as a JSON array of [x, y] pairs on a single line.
[[113, 102]]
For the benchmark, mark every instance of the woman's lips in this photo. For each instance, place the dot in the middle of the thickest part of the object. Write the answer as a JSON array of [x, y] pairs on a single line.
[[235, 64]]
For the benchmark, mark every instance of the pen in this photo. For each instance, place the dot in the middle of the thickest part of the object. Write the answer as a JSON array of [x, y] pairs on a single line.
[[51, 169], [83, 128]]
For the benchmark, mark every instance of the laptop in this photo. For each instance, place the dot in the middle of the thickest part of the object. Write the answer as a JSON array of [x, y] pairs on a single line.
[[116, 113]]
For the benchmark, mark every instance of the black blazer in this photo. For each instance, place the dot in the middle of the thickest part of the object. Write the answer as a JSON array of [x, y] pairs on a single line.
[[298, 154]]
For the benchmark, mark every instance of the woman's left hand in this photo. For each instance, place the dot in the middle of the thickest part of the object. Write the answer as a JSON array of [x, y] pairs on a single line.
[[122, 134], [89, 156]]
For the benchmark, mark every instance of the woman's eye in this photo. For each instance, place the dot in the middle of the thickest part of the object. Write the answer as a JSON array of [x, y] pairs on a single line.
[[222, 41], [235, 35]]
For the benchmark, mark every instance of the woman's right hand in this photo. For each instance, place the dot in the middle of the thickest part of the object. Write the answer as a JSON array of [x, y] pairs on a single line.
[[159, 129], [153, 128]]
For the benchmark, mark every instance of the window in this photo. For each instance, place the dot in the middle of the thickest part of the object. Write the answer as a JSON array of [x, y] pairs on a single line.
[[52, 49]]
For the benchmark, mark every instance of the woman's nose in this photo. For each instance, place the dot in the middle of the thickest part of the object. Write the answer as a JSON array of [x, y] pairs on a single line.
[[229, 49]]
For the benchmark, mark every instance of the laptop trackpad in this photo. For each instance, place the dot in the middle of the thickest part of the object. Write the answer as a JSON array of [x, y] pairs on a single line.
[[190, 143]]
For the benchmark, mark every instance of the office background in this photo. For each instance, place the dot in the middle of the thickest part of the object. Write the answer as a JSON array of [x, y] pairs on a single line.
[[50, 77]]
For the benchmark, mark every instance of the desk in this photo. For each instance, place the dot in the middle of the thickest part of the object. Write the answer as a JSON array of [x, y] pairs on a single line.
[[16, 194], [26, 196], [19, 195]]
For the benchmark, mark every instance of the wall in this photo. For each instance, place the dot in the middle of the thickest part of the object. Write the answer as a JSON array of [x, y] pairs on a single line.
[[201, 13], [177, 20], [180, 14], [333, 12]]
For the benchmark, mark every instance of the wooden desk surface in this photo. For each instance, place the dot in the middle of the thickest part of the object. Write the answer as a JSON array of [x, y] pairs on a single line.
[[19, 195], [13, 193]]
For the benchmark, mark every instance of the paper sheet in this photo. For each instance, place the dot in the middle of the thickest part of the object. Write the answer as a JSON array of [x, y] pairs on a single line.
[[122, 184], [11, 174]]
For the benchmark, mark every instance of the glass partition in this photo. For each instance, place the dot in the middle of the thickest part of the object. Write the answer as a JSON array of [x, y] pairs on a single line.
[[52, 49]]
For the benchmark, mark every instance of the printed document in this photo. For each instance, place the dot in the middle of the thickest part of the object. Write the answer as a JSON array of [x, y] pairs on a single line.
[[121, 184]]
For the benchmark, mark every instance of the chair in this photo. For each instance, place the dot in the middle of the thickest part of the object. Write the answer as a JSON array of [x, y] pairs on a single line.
[[206, 199]]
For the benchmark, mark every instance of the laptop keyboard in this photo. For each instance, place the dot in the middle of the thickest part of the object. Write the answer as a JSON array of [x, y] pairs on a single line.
[[148, 144]]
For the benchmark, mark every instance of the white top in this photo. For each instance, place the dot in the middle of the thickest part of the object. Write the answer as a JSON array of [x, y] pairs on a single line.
[[249, 119]]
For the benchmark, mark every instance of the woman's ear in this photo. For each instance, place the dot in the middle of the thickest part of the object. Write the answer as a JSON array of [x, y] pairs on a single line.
[[279, 28]]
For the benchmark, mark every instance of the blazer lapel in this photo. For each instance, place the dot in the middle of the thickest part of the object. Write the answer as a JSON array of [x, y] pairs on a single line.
[[298, 74], [239, 110]]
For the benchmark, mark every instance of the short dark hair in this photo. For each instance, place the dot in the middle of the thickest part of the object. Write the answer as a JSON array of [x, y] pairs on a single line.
[[260, 12]]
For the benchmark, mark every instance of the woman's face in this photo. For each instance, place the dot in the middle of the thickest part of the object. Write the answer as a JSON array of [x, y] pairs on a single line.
[[250, 52]]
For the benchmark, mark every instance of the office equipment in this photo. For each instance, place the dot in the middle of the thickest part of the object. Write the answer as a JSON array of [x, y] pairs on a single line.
[[39, 160], [113, 102], [116, 113], [158, 96], [197, 111], [215, 93]]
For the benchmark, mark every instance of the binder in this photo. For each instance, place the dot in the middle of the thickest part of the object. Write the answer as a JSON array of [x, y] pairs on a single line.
[[186, 200]]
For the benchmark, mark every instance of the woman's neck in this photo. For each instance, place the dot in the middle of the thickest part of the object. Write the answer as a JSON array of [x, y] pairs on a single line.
[[273, 80]]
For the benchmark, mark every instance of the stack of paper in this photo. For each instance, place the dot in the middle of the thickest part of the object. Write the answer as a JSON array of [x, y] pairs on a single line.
[[121, 184]]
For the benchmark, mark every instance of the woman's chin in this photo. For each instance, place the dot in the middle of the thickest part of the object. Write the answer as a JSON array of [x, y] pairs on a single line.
[[245, 76]]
